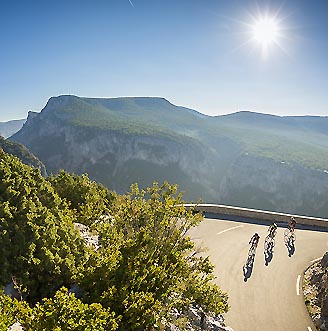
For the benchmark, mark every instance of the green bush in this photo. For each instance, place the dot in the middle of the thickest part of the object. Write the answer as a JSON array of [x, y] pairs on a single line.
[[65, 312], [88, 199], [147, 264], [39, 247]]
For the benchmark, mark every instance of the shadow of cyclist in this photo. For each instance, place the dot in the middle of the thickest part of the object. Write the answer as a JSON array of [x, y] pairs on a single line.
[[268, 250], [248, 266], [290, 245], [268, 256]]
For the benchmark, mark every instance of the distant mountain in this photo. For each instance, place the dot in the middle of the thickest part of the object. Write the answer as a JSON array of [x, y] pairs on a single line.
[[7, 129], [245, 159], [22, 153]]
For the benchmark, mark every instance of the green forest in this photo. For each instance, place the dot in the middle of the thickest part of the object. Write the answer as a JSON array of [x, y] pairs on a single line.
[[142, 267]]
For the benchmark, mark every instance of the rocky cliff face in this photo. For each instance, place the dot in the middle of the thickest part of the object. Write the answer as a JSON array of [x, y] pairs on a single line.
[[118, 159]]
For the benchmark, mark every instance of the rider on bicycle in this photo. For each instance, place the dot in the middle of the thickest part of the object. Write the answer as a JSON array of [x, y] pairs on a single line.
[[292, 224], [272, 229], [254, 240]]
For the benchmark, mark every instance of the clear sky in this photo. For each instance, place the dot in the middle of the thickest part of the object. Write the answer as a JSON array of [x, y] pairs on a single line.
[[196, 53]]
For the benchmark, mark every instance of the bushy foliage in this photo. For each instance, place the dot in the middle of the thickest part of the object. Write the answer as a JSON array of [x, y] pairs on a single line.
[[65, 312], [147, 264], [88, 199], [39, 247], [12, 311], [8, 310]]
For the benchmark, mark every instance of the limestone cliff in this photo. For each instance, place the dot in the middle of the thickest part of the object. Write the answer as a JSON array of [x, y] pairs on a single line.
[[117, 158]]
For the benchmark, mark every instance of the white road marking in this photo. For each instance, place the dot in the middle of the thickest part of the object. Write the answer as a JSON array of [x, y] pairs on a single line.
[[309, 329], [316, 260], [298, 284], [235, 227]]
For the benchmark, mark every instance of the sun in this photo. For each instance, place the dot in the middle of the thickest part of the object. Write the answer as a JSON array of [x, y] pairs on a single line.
[[266, 31]]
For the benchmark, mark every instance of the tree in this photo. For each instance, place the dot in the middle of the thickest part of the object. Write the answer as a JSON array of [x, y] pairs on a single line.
[[11, 310], [64, 312], [89, 200], [147, 264], [39, 247]]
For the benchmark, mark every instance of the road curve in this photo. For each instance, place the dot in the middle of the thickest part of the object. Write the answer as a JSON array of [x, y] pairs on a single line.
[[265, 295]]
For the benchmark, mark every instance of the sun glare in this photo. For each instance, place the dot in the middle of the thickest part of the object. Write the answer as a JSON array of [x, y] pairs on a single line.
[[266, 31]]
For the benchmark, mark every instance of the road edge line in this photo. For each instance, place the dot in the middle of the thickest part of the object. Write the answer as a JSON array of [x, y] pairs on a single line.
[[229, 229], [298, 285]]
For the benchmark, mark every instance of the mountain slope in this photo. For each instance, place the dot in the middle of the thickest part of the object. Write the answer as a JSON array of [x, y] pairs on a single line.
[[116, 146], [22, 153], [246, 159], [7, 129]]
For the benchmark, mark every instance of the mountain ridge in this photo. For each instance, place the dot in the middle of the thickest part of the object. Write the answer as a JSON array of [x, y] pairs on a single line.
[[124, 140], [8, 128]]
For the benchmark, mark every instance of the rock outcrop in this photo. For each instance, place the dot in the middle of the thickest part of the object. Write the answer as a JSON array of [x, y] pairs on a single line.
[[315, 291]]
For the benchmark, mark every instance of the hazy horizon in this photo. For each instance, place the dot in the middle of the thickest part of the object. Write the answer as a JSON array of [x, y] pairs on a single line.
[[210, 56], [199, 111]]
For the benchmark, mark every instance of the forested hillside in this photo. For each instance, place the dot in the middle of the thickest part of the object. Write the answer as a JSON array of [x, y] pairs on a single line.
[[137, 273]]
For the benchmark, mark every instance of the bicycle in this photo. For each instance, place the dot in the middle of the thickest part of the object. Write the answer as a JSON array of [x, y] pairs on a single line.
[[252, 250], [269, 243], [289, 235]]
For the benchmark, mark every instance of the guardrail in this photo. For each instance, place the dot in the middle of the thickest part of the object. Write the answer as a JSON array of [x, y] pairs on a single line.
[[266, 216]]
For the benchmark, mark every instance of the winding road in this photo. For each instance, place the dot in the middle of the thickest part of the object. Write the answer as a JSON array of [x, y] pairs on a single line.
[[267, 295]]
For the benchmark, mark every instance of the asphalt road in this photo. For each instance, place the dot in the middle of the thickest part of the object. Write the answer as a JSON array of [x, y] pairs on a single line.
[[267, 295]]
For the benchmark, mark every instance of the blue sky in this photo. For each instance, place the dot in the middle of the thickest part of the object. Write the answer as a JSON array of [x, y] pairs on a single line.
[[195, 53]]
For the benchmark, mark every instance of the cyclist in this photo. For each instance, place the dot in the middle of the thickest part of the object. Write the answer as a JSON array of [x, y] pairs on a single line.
[[292, 224], [254, 240], [272, 229]]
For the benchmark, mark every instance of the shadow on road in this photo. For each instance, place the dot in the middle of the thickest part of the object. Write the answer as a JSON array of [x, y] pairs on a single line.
[[269, 244], [290, 245], [248, 266]]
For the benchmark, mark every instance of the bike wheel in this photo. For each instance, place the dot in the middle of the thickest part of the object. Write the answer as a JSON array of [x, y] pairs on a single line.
[[252, 250], [292, 237], [267, 242]]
